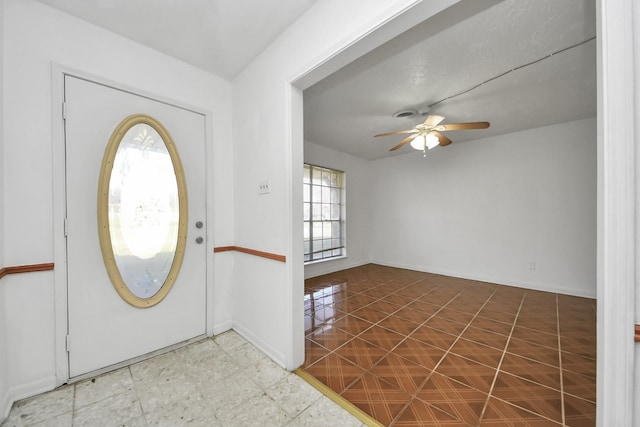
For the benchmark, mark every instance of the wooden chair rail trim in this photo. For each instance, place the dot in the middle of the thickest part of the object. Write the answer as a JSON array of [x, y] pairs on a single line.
[[254, 252], [25, 269], [637, 337]]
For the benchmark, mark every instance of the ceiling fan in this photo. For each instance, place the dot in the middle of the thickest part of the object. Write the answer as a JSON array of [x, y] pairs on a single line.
[[427, 135]]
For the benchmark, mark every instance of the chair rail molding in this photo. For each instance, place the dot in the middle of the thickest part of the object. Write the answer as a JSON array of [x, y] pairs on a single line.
[[30, 268], [254, 252]]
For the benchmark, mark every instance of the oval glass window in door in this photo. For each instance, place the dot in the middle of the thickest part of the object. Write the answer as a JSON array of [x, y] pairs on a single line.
[[142, 210]]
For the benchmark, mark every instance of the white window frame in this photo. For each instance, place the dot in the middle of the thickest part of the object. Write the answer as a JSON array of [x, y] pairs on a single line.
[[331, 216]]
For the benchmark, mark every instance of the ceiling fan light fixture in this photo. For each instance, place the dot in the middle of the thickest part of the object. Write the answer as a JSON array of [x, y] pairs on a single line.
[[428, 134], [431, 141], [425, 142], [418, 143]]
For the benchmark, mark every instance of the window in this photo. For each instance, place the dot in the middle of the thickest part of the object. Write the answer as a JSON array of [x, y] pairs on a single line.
[[323, 196]]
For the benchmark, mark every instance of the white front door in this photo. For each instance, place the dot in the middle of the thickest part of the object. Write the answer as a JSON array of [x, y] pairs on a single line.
[[104, 329]]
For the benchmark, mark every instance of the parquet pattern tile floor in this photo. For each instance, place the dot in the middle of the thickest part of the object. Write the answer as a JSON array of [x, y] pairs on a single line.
[[417, 349]]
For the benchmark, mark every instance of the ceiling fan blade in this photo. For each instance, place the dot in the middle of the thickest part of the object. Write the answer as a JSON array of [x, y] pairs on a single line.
[[444, 141], [463, 126], [433, 120], [404, 141], [400, 132]]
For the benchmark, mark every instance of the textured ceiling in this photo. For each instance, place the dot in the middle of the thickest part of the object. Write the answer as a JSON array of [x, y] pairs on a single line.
[[220, 36], [429, 63], [440, 58]]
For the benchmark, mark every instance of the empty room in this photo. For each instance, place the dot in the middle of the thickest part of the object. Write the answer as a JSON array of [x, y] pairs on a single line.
[[499, 216], [311, 213]]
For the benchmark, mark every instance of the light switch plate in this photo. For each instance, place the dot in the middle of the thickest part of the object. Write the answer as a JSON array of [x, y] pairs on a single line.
[[264, 187]]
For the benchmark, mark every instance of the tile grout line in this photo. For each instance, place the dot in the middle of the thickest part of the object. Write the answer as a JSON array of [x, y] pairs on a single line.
[[513, 326], [406, 336], [560, 360], [73, 406], [368, 371], [376, 299], [378, 322], [414, 396], [334, 351], [135, 388]]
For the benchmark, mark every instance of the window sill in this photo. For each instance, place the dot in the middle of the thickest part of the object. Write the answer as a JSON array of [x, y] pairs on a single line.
[[319, 261]]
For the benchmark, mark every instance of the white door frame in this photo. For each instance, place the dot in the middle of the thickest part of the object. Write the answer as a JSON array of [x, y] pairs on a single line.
[[618, 220], [59, 204], [617, 216]]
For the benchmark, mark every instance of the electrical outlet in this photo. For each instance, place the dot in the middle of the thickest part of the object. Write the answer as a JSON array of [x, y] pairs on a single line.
[[264, 187], [532, 265]]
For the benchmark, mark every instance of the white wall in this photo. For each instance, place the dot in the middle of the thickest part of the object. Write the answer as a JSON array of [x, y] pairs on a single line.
[[36, 37], [485, 209], [267, 136], [358, 227]]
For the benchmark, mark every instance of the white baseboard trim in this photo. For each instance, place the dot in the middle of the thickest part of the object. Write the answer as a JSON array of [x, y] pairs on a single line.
[[327, 267], [547, 287], [24, 391], [222, 327], [5, 406], [275, 355]]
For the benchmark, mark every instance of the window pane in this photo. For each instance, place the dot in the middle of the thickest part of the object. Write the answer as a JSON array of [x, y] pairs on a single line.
[[326, 230], [334, 179], [335, 195], [326, 212], [307, 174], [306, 211], [326, 178], [142, 212], [316, 194], [306, 193], [317, 230], [335, 212], [335, 229], [326, 195], [307, 247], [316, 176], [306, 233], [316, 211]]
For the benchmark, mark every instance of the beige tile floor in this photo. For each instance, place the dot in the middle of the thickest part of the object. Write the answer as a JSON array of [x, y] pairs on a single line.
[[220, 381]]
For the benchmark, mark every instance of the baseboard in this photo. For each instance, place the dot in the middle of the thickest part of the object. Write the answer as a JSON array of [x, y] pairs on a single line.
[[327, 267], [547, 287], [222, 327], [275, 355], [24, 391], [5, 406]]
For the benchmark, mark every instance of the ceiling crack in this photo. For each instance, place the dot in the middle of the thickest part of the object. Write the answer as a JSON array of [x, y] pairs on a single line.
[[512, 70]]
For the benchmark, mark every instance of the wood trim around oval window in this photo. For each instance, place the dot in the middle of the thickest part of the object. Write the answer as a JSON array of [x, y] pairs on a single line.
[[106, 246]]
